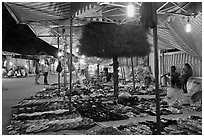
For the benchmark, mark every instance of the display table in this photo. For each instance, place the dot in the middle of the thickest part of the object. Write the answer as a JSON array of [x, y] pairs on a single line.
[[93, 109]]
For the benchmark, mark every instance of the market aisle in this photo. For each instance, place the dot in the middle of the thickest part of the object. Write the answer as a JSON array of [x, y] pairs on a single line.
[[17, 90]]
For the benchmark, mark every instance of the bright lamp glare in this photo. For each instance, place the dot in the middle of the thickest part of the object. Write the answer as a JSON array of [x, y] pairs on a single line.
[[83, 56], [188, 27], [130, 10], [59, 54], [82, 61], [77, 49]]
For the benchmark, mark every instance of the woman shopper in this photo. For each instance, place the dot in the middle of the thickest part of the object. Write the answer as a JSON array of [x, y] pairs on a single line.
[[45, 72], [186, 74], [37, 71], [172, 77]]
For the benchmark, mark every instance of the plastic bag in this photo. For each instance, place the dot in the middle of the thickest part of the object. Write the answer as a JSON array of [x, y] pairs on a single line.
[[193, 86], [125, 95], [175, 95]]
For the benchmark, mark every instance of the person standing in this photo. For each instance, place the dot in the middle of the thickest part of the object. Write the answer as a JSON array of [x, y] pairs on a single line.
[[186, 74], [172, 77], [45, 72], [37, 71]]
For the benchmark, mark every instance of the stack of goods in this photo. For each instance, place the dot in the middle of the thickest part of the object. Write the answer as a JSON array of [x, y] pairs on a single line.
[[142, 89], [106, 131], [196, 106], [135, 129], [95, 109], [145, 107], [56, 121], [176, 98], [48, 110], [189, 126], [44, 112]]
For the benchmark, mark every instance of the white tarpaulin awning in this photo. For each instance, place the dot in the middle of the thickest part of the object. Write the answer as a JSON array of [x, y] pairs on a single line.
[[47, 18]]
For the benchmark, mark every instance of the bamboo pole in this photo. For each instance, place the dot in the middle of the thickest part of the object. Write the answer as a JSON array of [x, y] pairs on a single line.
[[58, 64], [156, 69], [70, 64], [133, 76]]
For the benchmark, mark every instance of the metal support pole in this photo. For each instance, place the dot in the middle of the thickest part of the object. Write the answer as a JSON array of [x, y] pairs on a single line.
[[156, 69], [133, 76], [58, 64], [70, 66]]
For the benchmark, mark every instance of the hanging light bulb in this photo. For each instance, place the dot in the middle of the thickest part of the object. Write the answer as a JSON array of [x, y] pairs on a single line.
[[188, 26], [59, 54], [130, 10], [83, 56], [10, 63], [77, 49]]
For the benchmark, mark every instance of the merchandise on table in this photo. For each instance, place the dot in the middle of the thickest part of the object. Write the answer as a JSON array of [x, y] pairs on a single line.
[[188, 126], [107, 131], [48, 111], [68, 122]]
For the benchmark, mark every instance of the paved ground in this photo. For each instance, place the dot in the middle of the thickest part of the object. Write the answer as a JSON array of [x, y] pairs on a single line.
[[17, 90]]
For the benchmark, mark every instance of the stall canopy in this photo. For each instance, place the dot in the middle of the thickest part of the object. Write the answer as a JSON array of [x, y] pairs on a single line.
[[19, 38], [49, 18]]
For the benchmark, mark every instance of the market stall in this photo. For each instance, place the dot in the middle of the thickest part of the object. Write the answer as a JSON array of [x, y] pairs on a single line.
[[86, 107]]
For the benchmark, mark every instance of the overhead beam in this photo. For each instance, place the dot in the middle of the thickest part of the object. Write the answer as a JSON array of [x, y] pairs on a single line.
[[173, 13], [109, 10], [179, 7], [167, 9], [162, 6], [117, 5], [184, 6]]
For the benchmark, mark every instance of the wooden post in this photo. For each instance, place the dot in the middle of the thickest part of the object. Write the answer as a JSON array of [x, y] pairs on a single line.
[[147, 60], [133, 76], [58, 63], [137, 61], [65, 57], [123, 68], [156, 68], [162, 61], [115, 76], [16, 61], [70, 67], [29, 65], [98, 80]]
